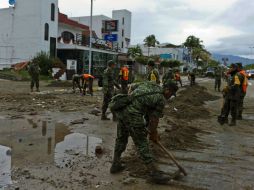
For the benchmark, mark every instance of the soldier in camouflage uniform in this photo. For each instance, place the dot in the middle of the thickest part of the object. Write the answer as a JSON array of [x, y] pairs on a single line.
[[34, 72], [169, 75], [108, 87], [147, 99], [217, 77], [153, 74], [231, 95]]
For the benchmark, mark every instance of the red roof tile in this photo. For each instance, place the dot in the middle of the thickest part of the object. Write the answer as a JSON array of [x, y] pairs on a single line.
[[62, 18]]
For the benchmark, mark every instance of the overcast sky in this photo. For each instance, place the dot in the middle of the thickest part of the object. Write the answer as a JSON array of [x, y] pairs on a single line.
[[225, 26]]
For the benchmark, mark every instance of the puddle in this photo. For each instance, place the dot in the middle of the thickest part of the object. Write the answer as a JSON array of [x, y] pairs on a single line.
[[75, 144], [34, 140], [5, 166]]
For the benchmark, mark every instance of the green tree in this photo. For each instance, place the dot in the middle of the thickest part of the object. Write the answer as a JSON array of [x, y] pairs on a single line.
[[193, 42], [170, 63], [45, 62], [151, 41], [135, 52]]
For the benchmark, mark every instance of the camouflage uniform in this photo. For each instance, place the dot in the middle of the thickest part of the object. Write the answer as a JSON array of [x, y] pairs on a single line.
[[168, 76], [231, 98], [76, 82], [131, 120], [217, 76], [108, 89], [153, 75], [34, 72]]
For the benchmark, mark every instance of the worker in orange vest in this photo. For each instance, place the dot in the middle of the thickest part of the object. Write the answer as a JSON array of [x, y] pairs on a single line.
[[178, 78], [243, 87], [87, 82], [124, 79]]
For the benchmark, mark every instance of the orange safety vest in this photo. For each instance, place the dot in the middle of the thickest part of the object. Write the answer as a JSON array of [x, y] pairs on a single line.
[[245, 81], [125, 73], [87, 76], [177, 76]]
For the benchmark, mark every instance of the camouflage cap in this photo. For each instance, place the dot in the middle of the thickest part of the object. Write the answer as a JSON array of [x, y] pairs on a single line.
[[239, 65], [151, 63]]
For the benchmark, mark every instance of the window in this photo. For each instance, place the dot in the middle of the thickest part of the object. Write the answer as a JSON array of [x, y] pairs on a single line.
[[52, 47], [123, 20], [52, 11], [122, 32], [122, 44], [67, 37], [46, 32]]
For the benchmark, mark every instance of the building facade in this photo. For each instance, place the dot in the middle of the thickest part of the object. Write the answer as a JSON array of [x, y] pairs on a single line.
[[29, 27], [33, 26], [116, 28]]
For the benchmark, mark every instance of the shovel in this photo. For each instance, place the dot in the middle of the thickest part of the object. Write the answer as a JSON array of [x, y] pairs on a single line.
[[172, 158]]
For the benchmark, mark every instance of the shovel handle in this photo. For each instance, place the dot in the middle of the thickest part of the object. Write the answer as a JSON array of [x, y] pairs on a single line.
[[172, 158]]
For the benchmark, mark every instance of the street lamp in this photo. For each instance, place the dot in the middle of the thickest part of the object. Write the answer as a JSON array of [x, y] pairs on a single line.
[[90, 41]]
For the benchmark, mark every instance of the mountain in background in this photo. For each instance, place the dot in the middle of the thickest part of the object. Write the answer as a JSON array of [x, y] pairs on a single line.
[[232, 59]]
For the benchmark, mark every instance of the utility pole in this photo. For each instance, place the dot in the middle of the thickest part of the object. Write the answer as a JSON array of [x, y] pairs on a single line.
[[90, 41]]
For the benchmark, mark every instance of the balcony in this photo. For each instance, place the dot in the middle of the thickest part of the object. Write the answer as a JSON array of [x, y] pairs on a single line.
[[83, 40]]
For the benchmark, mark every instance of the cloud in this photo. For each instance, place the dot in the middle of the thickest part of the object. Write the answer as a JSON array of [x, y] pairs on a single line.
[[219, 23]]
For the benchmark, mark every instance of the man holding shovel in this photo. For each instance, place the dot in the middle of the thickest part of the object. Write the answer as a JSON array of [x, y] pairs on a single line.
[[147, 100]]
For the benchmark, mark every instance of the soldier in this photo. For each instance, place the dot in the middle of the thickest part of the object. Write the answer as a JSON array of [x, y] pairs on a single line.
[[34, 72], [217, 77], [146, 99], [231, 95], [168, 76], [243, 87], [191, 77], [108, 87], [124, 79], [87, 82], [153, 74], [76, 82]]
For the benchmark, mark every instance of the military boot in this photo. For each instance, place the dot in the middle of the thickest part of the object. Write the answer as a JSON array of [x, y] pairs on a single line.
[[104, 117], [117, 166], [233, 122], [37, 90], [157, 176]]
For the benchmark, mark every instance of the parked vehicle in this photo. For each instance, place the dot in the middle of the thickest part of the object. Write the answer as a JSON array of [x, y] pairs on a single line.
[[250, 74], [210, 72]]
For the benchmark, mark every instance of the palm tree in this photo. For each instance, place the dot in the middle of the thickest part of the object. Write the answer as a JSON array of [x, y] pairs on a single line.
[[151, 41], [134, 52]]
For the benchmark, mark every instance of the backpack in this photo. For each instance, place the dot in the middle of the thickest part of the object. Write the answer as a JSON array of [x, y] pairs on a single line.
[[119, 101]]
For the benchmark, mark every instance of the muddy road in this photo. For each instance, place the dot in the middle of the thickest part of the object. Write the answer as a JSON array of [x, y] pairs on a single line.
[[55, 140]]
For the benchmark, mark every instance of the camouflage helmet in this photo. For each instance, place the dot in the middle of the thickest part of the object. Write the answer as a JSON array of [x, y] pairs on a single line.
[[110, 63]]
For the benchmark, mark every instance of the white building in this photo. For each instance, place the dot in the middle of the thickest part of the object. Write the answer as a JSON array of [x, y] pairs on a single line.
[[121, 19], [169, 52], [33, 26], [30, 26]]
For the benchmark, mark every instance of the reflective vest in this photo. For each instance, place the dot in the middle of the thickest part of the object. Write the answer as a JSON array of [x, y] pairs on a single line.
[[124, 72], [153, 77], [245, 81], [87, 76]]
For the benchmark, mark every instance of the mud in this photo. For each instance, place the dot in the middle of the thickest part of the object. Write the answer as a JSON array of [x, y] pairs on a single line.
[[49, 141]]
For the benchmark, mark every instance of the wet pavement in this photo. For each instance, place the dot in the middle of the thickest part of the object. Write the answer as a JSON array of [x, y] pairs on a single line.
[[39, 140]]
